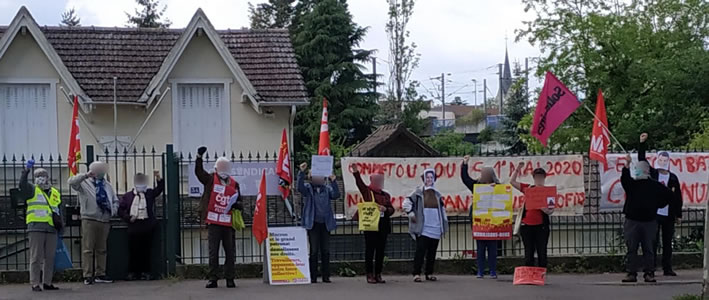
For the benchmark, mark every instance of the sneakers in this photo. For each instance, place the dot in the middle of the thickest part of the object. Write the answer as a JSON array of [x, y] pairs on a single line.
[[493, 275], [36, 288], [230, 283], [649, 277], [49, 287], [630, 278], [102, 279], [670, 273], [480, 275], [212, 284], [88, 281]]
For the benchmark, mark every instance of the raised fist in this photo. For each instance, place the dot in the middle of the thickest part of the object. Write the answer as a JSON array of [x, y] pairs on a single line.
[[201, 150], [355, 168], [466, 159], [303, 167], [30, 164], [643, 137]]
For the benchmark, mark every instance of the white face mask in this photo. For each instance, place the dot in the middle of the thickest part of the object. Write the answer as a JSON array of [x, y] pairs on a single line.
[[42, 182], [223, 175], [141, 188]]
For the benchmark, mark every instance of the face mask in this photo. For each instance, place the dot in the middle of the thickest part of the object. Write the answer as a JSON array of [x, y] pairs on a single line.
[[100, 175], [638, 173], [223, 175], [42, 182], [141, 188]]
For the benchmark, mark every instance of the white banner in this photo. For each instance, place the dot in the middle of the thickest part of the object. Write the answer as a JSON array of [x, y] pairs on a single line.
[[247, 174], [287, 252], [690, 168], [403, 175]]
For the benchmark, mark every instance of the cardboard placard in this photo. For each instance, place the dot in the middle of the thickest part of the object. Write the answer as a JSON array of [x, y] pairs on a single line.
[[287, 254], [540, 197], [321, 165], [530, 276]]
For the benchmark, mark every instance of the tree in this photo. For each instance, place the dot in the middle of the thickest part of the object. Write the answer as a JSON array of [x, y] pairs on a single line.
[[325, 43], [458, 101], [516, 107], [700, 140], [451, 143], [274, 14], [70, 18], [149, 16], [648, 57]]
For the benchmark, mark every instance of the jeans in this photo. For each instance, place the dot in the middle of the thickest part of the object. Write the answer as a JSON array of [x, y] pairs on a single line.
[[319, 239], [640, 234], [375, 244], [667, 226], [140, 250], [425, 247], [217, 234], [535, 239], [42, 248], [491, 247]]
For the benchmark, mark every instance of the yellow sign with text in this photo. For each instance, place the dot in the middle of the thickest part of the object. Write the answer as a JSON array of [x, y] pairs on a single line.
[[368, 216]]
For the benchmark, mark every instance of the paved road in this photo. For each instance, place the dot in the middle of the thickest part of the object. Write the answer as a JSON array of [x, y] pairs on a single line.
[[576, 287]]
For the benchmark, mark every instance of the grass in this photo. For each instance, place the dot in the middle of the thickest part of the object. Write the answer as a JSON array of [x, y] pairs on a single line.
[[687, 297]]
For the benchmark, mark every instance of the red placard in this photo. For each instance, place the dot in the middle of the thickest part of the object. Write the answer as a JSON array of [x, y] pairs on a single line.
[[540, 197], [530, 275]]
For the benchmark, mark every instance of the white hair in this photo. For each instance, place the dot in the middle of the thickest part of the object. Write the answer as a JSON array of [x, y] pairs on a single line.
[[222, 160], [98, 166]]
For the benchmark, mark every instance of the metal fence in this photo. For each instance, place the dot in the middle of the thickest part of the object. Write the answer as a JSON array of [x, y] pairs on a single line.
[[594, 232]]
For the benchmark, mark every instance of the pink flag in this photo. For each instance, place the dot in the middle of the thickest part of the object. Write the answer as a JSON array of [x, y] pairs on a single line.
[[556, 103]]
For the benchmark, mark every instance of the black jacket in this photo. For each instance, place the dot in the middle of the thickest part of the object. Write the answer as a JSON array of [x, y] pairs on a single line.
[[643, 197], [673, 184]]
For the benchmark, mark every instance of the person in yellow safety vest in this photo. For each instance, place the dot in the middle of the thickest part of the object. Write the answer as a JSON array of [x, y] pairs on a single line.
[[42, 200]]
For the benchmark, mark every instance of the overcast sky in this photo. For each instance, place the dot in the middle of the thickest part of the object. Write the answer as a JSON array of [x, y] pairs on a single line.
[[465, 38]]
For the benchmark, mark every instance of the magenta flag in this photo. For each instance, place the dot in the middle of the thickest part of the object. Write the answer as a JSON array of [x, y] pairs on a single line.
[[556, 103]]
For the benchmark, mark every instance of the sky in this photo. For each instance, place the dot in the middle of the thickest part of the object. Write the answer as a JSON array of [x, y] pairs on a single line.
[[463, 38]]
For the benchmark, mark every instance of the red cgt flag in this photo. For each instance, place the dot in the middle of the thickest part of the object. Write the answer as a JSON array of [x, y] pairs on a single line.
[[260, 226], [324, 145], [600, 137], [74, 141], [283, 167], [555, 105]]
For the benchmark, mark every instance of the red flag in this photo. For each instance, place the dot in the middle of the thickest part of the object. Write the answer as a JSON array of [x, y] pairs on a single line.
[[556, 103], [600, 137], [283, 167], [324, 146], [260, 226], [74, 141]]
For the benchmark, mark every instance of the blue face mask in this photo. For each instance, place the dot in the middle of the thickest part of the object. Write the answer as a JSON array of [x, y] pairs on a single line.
[[638, 172]]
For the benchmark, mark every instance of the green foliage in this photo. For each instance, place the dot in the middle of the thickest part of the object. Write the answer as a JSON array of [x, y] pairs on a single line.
[[474, 117], [273, 14], [70, 18], [346, 270], [700, 140], [687, 297], [451, 143], [407, 112], [486, 135], [149, 16], [648, 57], [516, 107], [566, 138], [325, 41]]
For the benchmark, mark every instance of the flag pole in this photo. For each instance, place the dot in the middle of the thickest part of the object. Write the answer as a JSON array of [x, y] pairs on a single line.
[[604, 126]]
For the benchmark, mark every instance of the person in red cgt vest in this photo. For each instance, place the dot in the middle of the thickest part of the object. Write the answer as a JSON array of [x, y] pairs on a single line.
[[221, 195]]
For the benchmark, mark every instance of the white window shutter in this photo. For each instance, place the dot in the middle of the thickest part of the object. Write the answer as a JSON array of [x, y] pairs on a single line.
[[200, 116]]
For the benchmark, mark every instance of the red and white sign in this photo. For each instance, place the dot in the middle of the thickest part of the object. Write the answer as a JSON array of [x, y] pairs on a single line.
[[690, 168], [403, 175], [530, 276]]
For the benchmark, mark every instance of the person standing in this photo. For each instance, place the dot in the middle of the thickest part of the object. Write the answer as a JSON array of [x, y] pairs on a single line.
[[221, 195], [671, 213], [43, 202], [535, 222], [375, 241], [137, 207], [428, 222], [318, 219], [487, 176], [98, 202], [643, 196]]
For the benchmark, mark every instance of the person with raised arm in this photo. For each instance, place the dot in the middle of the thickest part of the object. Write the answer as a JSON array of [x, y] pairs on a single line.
[[535, 222], [487, 176], [375, 241]]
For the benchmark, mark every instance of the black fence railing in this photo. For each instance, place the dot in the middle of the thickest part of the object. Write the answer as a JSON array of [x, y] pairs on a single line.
[[594, 232]]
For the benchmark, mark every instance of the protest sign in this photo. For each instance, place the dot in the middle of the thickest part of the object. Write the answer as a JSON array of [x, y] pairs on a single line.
[[403, 175], [540, 197], [492, 212], [321, 165], [247, 174], [287, 254], [368, 216], [529, 275], [690, 168]]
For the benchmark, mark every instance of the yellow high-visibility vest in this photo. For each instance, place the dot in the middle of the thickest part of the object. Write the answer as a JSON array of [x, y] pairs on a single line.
[[41, 206]]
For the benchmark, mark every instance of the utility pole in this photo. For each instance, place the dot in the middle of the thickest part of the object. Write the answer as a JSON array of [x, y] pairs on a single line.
[[374, 73], [485, 98], [443, 97], [475, 96], [526, 79]]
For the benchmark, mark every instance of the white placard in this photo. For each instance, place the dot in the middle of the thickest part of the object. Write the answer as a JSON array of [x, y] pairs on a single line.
[[321, 165], [287, 252]]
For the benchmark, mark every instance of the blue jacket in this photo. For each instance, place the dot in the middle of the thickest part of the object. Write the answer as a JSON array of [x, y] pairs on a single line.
[[328, 193]]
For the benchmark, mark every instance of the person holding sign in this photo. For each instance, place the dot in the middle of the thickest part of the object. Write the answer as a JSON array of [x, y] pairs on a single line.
[[428, 222], [487, 176], [318, 219], [535, 221], [220, 191], [643, 196], [375, 241], [670, 214]]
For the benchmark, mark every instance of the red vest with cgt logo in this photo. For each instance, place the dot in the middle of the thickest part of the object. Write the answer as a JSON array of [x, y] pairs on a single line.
[[217, 213]]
